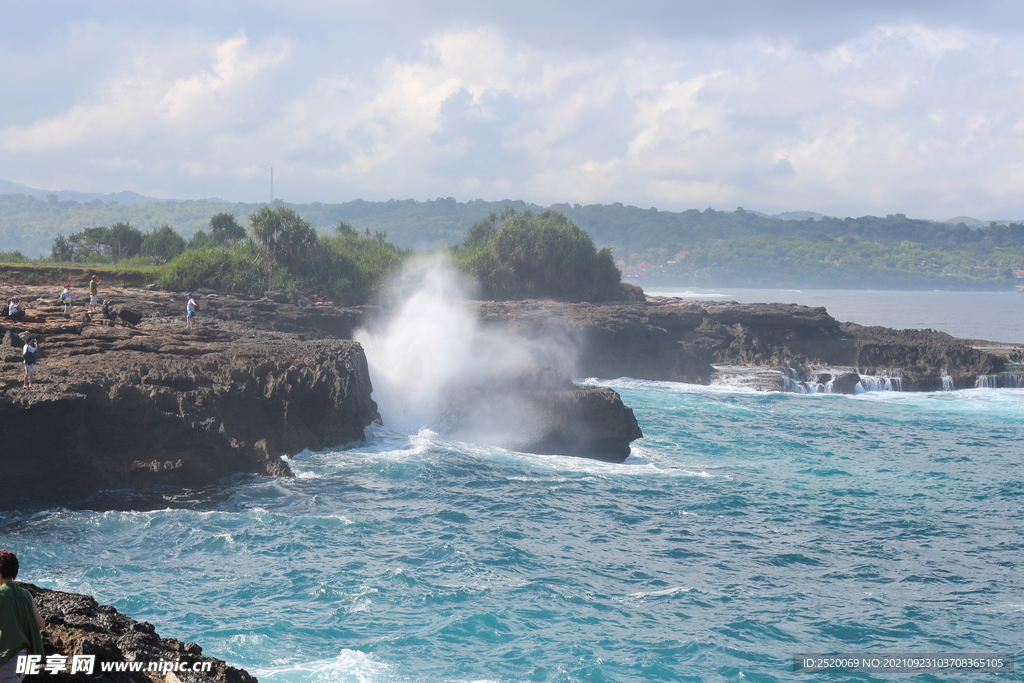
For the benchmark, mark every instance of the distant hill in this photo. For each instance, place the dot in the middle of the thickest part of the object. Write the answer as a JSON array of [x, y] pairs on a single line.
[[966, 220], [693, 247], [976, 223], [801, 216], [7, 187]]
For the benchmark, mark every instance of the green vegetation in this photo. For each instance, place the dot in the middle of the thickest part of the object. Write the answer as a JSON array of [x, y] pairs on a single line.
[[282, 252], [816, 259], [12, 257], [654, 247], [546, 255], [286, 254]]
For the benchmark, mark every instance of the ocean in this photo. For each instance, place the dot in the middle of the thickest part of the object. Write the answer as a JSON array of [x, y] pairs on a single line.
[[745, 528]]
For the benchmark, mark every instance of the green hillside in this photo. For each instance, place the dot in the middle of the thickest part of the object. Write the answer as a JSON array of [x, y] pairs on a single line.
[[652, 247]]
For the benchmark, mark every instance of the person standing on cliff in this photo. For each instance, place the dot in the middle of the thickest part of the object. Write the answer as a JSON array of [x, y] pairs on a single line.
[[20, 621], [28, 355], [94, 293], [190, 312], [66, 296]]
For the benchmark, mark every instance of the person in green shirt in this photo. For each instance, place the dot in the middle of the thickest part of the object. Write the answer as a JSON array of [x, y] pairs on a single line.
[[20, 621], [94, 293]]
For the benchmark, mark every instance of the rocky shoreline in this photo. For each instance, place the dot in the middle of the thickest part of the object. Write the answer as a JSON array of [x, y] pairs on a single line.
[[135, 401], [76, 626], [132, 399], [690, 341]]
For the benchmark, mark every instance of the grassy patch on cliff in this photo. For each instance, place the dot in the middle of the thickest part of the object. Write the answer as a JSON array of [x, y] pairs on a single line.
[[35, 273]]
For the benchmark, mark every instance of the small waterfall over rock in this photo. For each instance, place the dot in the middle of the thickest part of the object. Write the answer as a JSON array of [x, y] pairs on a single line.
[[947, 382], [816, 380], [884, 382], [1002, 380]]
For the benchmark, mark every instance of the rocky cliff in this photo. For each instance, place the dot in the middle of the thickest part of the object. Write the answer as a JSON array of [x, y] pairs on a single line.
[[681, 340], [129, 398], [119, 404], [77, 625]]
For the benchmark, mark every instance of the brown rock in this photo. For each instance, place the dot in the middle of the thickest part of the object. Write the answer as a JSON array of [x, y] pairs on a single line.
[[78, 625]]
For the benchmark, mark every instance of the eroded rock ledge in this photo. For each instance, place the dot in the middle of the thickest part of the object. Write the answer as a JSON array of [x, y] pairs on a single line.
[[681, 340], [122, 405], [78, 625]]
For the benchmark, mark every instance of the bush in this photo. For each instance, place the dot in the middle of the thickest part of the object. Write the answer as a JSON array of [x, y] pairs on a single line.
[[235, 269], [163, 244], [537, 256], [349, 267], [13, 257]]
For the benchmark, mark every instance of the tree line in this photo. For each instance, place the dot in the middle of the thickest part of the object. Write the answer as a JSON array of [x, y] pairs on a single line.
[[685, 247], [512, 256]]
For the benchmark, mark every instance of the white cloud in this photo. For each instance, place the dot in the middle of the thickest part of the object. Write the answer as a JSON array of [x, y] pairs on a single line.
[[898, 117]]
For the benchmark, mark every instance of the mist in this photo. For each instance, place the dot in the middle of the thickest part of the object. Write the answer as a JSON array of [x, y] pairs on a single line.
[[435, 366]]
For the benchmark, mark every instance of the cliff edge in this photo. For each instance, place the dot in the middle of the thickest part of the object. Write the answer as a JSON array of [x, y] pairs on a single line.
[[121, 404], [76, 626]]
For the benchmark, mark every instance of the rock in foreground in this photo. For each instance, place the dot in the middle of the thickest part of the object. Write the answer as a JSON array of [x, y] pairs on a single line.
[[78, 625]]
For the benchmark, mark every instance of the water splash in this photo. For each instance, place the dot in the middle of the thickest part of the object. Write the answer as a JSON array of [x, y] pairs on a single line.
[[434, 365]]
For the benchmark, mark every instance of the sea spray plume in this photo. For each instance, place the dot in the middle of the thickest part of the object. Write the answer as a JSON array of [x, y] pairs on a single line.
[[434, 365]]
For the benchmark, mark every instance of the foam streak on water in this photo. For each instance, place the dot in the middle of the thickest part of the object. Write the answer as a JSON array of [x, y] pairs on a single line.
[[746, 527]]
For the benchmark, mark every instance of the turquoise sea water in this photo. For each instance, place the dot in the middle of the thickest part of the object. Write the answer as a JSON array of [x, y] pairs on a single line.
[[745, 528]]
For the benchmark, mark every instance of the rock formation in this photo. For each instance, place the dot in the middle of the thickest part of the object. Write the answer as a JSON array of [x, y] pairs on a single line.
[[543, 412], [126, 398], [78, 625], [681, 340], [124, 405]]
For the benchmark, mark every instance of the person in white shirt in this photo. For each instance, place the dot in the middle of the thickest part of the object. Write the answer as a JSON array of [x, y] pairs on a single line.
[[190, 312], [14, 310], [28, 354], [66, 296]]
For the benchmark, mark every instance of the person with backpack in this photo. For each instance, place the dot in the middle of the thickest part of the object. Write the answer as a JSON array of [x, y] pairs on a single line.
[[65, 298], [28, 355]]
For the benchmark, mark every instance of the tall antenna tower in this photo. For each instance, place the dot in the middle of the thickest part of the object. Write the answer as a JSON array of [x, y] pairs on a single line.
[[271, 184]]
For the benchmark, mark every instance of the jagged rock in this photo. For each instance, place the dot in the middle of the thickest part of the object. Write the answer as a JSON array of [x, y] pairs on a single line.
[[542, 411], [277, 297], [846, 383], [586, 421], [680, 340], [118, 407], [78, 625], [128, 314]]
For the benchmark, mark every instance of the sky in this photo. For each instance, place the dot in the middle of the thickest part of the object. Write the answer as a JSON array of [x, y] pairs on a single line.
[[845, 108]]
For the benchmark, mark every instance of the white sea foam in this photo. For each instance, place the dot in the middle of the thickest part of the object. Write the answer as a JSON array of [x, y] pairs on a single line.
[[350, 666], [667, 592]]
